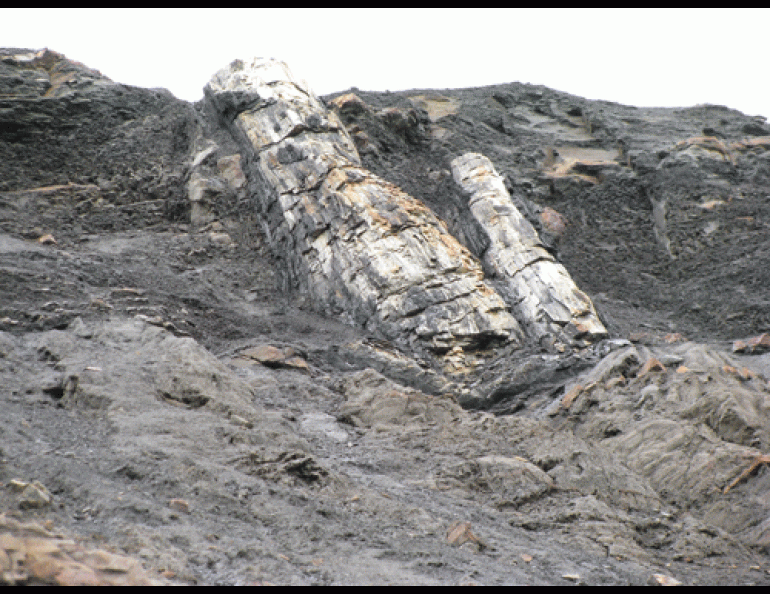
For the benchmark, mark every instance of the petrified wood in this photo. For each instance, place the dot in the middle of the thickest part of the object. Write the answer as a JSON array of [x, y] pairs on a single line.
[[544, 297], [359, 247]]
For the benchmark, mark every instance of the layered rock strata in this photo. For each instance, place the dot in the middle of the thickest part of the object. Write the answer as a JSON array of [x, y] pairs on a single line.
[[359, 247], [545, 299]]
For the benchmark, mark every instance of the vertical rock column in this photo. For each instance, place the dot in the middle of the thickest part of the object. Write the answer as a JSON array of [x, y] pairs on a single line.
[[359, 247], [544, 297]]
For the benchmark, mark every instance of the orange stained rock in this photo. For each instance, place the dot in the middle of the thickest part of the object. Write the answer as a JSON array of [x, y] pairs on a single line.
[[587, 170], [709, 143], [756, 462], [651, 365], [743, 374], [350, 103], [571, 395], [752, 345], [762, 143], [673, 337], [460, 532], [554, 221], [31, 555]]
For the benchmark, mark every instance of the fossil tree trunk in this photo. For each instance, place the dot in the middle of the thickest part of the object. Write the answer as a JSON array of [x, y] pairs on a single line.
[[359, 247], [544, 297]]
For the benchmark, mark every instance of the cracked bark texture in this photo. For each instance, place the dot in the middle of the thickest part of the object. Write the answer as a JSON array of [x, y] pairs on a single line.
[[544, 297], [360, 248]]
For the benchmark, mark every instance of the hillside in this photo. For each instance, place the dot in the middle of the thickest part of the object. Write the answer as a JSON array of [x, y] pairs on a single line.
[[500, 335]]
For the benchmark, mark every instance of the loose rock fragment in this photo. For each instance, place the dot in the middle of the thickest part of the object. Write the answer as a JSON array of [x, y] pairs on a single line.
[[30, 555], [460, 533], [276, 357], [553, 221], [33, 495], [659, 579], [179, 505], [650, 366], [46, 239], [752, 346]]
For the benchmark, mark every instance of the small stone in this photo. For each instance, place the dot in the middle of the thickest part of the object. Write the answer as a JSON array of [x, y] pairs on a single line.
[[271, 356], [179, 505], [651, 365], [17, 484], [752, 346], [663, 580], [459, 533], [100, 304], [744, 374], [614, 382], [240, 421], [35, 495], [673, 337], [350, 103], [221, 238], [127, 292], [553, 221]]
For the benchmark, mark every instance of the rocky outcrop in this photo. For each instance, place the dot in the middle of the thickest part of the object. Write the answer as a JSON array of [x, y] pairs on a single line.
[[359, 247], [544, 296], [45, 73], [65, 125]]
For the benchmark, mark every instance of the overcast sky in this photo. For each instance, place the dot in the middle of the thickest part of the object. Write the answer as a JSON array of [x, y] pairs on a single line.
[[643, 57]]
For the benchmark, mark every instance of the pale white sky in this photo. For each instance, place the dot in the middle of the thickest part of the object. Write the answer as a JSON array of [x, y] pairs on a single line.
[[643, 57]]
